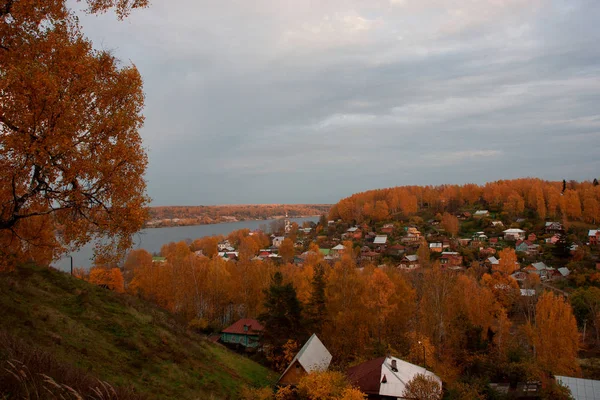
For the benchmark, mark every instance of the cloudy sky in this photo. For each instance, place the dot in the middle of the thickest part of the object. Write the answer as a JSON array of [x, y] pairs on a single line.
[[301, 101]]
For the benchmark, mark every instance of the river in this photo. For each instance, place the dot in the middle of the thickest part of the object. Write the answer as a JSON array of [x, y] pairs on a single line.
[[153, 239]]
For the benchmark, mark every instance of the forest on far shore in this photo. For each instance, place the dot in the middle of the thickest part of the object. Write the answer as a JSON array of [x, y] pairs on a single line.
[[199, 215]]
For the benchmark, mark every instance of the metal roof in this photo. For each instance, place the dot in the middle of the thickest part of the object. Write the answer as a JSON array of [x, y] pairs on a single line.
[[313, 356], [581, 389], [380, 239]]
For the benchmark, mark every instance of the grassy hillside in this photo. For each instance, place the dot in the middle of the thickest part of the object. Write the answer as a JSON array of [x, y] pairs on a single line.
[[113, 337]]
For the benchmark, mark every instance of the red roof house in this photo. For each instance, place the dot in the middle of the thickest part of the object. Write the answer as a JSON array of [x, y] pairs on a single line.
[[245, 332]]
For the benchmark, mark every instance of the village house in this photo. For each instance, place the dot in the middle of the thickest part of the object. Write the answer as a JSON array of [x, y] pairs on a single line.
[[497, 224], [388, 228], [464, 241], [278, 240], [386, 377], [436, 247], [225, 246], [552, 240], [594, 237], [540, 269], [369, 256], [514, 234], [413, 235], [337, 251], [553, 227], [487, 251], [451, 260], [481, 214], [479, 237], [492, 262], [313, 356], [380, 242], [525, 246], [396, 250], [409, 262], [519, 276], [352, 233], [245, 332]]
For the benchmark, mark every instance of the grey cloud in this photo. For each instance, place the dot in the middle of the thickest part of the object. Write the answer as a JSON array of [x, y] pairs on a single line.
[[298, 102]]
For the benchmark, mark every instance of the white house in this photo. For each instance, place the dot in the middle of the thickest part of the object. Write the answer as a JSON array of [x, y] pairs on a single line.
[[387, 377], [380, 239], [514, 234], [278, 240]]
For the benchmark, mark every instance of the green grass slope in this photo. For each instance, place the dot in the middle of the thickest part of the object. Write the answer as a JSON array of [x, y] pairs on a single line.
[[117, 338]]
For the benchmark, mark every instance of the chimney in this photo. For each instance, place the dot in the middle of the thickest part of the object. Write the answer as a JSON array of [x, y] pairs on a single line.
[[394, 366]]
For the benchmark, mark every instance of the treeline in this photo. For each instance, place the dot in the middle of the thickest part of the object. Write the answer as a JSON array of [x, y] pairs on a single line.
[[468, 328], [578, 201], [193, 215]]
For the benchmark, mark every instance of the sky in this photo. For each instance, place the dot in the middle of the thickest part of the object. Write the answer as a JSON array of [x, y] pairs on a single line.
[[301, 101]]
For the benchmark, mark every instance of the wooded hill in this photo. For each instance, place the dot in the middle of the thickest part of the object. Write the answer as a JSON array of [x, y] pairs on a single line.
[[198, 215], [76, 333], [569, 200]]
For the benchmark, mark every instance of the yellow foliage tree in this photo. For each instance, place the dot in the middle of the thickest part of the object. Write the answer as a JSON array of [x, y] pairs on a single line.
[[555, 336], [327, 385]]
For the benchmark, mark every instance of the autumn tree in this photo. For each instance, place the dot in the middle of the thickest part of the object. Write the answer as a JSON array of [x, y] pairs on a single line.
[[555, 328], [208, 245], [507, 263], [138, 258], [327, 385], [112, 278], [286, 250], [423, 387], [450, 224], [71, 158]]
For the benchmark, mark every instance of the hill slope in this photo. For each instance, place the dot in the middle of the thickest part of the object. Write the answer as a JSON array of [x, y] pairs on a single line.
[[116, 338]]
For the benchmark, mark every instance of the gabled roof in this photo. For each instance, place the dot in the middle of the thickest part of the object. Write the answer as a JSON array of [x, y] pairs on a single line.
[[540, 266], [564, 271], [313, 356], [338, 247], [353, 229], [493, 260], [514, 230], [412, 257], [369, 376], [254, 327], [482, 212], [380, 239]]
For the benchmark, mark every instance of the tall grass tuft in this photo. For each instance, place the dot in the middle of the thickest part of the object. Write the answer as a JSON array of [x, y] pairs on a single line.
[[29, 373]]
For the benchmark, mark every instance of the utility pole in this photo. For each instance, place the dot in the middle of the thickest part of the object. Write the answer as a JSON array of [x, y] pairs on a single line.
[[71, 265], [424, 359]]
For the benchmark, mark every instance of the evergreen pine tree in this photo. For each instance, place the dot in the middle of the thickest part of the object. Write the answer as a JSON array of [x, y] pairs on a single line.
[[316, 308], [282, 318]]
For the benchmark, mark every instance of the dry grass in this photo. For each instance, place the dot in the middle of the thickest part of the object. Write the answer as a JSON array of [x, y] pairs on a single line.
[[29, 373]]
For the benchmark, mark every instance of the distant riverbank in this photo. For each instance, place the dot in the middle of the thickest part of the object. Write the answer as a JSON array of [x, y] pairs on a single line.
[[179, 222], [152, 240]]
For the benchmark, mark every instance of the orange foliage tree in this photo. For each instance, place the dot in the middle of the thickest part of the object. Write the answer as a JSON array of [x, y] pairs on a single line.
[[556, 328], [450, 223], [71, 158], [111, 277]]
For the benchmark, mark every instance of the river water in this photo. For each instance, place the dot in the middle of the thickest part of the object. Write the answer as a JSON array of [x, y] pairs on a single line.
[[153, 239]]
